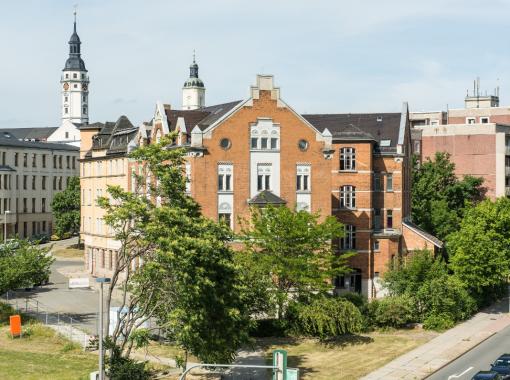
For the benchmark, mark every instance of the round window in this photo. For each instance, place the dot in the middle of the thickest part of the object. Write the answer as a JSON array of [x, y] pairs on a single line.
[[303, 145], [225, 143]]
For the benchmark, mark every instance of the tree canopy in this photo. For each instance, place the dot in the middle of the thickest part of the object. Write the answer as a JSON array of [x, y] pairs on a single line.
[[188, 281], [480, 250], [439, 197], [292, 251], [66, 208], [23, 265]]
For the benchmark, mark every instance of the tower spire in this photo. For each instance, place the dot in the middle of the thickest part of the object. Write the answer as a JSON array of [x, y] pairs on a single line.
[[74, 13]]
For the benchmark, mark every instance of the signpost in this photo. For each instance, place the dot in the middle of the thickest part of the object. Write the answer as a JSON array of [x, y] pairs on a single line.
[[280, 364]]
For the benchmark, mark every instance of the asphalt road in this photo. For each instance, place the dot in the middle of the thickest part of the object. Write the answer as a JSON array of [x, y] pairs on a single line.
[[478, 359]]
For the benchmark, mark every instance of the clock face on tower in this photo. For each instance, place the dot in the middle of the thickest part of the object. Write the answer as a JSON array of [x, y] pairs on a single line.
[[85, 87], [66, 86]]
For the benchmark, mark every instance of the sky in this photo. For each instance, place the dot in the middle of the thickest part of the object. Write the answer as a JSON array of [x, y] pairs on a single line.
[[326, 56]]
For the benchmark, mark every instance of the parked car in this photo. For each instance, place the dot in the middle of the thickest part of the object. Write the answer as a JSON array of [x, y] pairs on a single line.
[[502, 366], [487, 375]]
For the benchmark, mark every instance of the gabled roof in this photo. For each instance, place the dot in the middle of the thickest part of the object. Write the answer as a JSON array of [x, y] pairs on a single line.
[[266, 197], [203, 117], [434, 240], [362, 126], [114, 137]]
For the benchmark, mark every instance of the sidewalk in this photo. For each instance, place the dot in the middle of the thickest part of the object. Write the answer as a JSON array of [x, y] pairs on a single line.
[[433, 355]]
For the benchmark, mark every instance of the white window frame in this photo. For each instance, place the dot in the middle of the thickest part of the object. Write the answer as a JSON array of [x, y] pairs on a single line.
[[486, 118], [389, 182], [347, 159], [348, 196], [470, 120], [348, 242], [303, 178], [225, 178], [264, 174]]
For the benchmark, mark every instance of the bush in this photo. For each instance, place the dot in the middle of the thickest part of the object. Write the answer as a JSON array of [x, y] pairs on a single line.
[[439, 322], [357, 299], [391, 312], [121, 368], [328, 317], [265, 328]]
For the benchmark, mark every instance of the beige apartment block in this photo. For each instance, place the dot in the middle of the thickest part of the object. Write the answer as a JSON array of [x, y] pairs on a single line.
[[103, 162], [31, 173]]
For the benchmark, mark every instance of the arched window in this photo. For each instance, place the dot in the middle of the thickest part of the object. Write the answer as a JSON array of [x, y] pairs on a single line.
[[349, 239], [348, 196], [347, 159]]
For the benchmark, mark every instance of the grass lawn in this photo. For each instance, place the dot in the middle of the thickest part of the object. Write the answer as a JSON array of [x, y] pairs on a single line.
[[43, 355], [349, 357], [70, 252]]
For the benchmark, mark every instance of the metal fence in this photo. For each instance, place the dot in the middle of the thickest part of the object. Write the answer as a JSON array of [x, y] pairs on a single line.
[[62, 323]]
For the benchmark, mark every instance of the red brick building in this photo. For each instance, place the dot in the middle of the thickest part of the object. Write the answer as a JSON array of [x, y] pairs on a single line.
[[259, 151]]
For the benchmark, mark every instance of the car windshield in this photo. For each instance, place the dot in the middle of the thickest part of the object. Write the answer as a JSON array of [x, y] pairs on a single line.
[[504, 362]]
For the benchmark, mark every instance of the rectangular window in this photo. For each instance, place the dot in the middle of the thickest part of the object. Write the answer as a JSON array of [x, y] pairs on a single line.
[[16, 155], [376, 245], [3, 158], [349, 239], [347, 159], [303, 178], [274, 143], [484, 120], [389, 218], [44, 226], [33, 205], [225, 172], [389, 182], [254, 142], [225, 217], [60, 162], [264, 172], [188, 177], [263, 143], [470, 120], [43, 182], [25, 182], [348, 196], [74, 162], [68, 162], [43, 205], [33, 182], [25, 160], [377, 219], [34, 160], [377, 182], [54, 162], [25, 206], [43, 160]]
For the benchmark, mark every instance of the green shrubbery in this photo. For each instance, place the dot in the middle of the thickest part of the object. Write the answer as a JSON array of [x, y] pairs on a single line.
[[391, 312], [327, 317]]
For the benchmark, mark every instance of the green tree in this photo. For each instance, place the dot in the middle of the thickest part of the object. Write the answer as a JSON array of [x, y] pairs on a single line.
[[23, 265], [480, 251], [188, 281], [66, 208], [292, 251], [439, 197]]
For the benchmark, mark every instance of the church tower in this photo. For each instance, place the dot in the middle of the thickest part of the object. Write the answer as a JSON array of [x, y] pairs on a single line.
[[75, 84], [193, 92]]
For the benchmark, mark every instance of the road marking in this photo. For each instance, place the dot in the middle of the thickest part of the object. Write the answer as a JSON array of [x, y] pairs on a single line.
[[460, 374]]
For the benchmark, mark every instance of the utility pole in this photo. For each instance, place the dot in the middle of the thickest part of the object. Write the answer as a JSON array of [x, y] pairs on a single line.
[[101, 281]]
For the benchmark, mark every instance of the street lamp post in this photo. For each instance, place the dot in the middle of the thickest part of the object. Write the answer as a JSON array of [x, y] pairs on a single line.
[[101, 281], [5, 225]]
